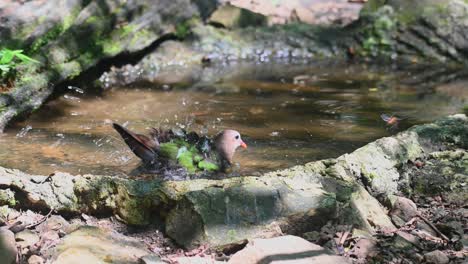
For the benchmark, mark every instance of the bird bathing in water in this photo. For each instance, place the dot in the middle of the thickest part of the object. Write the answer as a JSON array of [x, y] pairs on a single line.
[[177, 148]]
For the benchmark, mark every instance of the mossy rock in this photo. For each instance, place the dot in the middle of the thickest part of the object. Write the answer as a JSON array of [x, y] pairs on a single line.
[[231, 16]]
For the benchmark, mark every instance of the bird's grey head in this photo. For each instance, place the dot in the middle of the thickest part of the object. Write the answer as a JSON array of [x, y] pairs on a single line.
[[227, 142]]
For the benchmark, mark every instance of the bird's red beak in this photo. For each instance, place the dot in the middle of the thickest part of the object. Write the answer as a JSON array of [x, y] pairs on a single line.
[[243, 144]]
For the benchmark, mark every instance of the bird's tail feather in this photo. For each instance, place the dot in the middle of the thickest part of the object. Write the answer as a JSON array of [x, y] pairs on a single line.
[[144, 147]]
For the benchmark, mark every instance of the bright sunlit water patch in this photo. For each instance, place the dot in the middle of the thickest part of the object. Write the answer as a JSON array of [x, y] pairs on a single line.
[[287, 114]]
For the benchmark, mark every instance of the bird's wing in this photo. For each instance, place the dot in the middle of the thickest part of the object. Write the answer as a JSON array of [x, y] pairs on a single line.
[[385, 117], [144, 147]]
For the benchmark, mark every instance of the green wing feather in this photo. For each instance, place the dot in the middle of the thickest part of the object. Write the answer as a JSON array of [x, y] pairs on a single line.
[[187, 156]]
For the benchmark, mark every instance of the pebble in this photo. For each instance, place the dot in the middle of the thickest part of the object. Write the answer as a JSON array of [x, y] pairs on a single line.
[[436, 257]]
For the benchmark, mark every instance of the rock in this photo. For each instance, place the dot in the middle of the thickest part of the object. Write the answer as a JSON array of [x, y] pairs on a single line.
[[26, 238], [313, 236], [236, 17], [73, 36], [49, 239], [403, 208], [365, 248], [323, 13], [35, 259], [436, 257], [93, 245], [151, 259], [8, 249], [284, 249], [290, 201], [445, 173], [367, 212], [403, 240], [55, 223], [7, 197], [245, 208], [197, 260]]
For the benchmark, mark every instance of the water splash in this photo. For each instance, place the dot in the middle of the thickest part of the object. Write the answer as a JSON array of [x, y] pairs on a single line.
[[24, 131]]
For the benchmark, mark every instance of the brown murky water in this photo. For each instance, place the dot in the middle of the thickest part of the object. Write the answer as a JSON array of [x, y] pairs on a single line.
[[287, 114]]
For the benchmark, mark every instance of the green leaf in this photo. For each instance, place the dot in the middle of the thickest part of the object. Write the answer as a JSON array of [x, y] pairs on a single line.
[[25, 58], [4, 68], [7, 56]]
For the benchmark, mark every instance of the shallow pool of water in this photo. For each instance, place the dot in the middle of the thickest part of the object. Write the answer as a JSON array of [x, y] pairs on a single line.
[[288, 114]]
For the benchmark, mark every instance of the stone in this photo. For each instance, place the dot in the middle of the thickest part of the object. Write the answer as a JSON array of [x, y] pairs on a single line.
[[368, 212], [231, 16], [365, 248], [26, 238], [8, 248], [436, 257], [197, 260], [55, 223], [69, 37], [404, 208], [93, 245], [284, 249], [151, 259], [244, 209], [35, 259], [403, 240]]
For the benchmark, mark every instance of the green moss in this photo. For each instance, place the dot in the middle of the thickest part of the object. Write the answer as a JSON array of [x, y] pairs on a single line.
[[126, 30], [7, 197], [54, 32], [232, 235], [328, 201], [372, 176], [141, 36], [372, 5], [92, 20], [465, 109], [110, 47], [35, 81], [377, 39], [68, 70], [183, 30]]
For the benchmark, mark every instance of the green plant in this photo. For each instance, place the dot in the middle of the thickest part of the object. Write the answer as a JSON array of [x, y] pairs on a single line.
[[9, 61]]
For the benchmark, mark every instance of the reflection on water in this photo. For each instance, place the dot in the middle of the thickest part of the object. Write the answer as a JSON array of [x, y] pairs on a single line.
[[287, 114]]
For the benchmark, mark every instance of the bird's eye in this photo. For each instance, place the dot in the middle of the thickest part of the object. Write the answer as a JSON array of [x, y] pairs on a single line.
[[237, 137]]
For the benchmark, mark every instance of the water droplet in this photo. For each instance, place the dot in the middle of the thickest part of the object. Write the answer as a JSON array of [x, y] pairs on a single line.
[[71, 98], [76, 89], [24, 131], [274, 134]]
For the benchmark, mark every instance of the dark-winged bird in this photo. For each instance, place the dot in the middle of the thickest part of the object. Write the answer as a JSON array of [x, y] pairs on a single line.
[[188, 150]]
